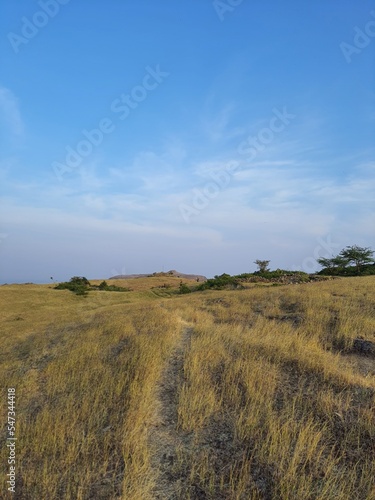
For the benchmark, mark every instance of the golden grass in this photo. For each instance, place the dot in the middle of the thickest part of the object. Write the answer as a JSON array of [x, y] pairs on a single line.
[[84, 386], [264, 372], [272, 400]]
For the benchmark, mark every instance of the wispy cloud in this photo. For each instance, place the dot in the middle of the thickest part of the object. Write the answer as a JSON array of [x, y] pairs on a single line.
[[10, 115], [216, 125]]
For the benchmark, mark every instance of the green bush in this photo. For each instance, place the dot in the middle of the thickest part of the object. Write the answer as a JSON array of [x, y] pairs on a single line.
[[220, 282], [184, 288], [81, 286], [280, 272], [366, 270], [103, 285], [235, 282], [109, 288], [78, 284]]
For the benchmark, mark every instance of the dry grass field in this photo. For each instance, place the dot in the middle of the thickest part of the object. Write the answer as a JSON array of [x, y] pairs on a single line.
[[148, 394]]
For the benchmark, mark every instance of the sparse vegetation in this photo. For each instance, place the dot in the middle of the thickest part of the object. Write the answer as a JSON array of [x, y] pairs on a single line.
[[272, 398]]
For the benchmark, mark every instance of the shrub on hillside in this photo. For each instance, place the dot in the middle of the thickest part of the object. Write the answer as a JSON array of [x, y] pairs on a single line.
[[226, 281], [220, 282], [81, 286], [277, 273], [78, 284], [184, 288], [109, 288]]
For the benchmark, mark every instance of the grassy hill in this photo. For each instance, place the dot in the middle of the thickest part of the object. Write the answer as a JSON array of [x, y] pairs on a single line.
[[260, 393]]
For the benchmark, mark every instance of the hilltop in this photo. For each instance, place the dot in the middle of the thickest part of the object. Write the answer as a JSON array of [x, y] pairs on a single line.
[[176, 274]]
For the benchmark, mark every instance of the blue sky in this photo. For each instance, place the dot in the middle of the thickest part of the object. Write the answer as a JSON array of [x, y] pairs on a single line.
[[196, 135]]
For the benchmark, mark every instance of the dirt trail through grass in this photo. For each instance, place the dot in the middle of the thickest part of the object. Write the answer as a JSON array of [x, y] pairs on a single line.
[[166, 440]]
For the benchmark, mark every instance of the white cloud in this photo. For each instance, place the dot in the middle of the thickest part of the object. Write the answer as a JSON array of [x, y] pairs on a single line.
[[150, 171], [56, 219], [276, 206]]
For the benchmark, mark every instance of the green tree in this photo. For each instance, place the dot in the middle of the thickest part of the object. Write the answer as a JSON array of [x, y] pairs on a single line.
[[262, 265], [325, 262], [359, 256], [333, 264]]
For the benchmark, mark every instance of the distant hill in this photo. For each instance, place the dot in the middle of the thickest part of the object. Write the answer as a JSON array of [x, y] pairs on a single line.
[[196, 277]]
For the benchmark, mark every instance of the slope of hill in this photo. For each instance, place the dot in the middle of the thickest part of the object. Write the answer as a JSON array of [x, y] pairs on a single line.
[[263, 393]]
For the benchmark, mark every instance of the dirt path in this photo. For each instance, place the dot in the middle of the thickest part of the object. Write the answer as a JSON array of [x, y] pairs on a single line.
[[165, 438]]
